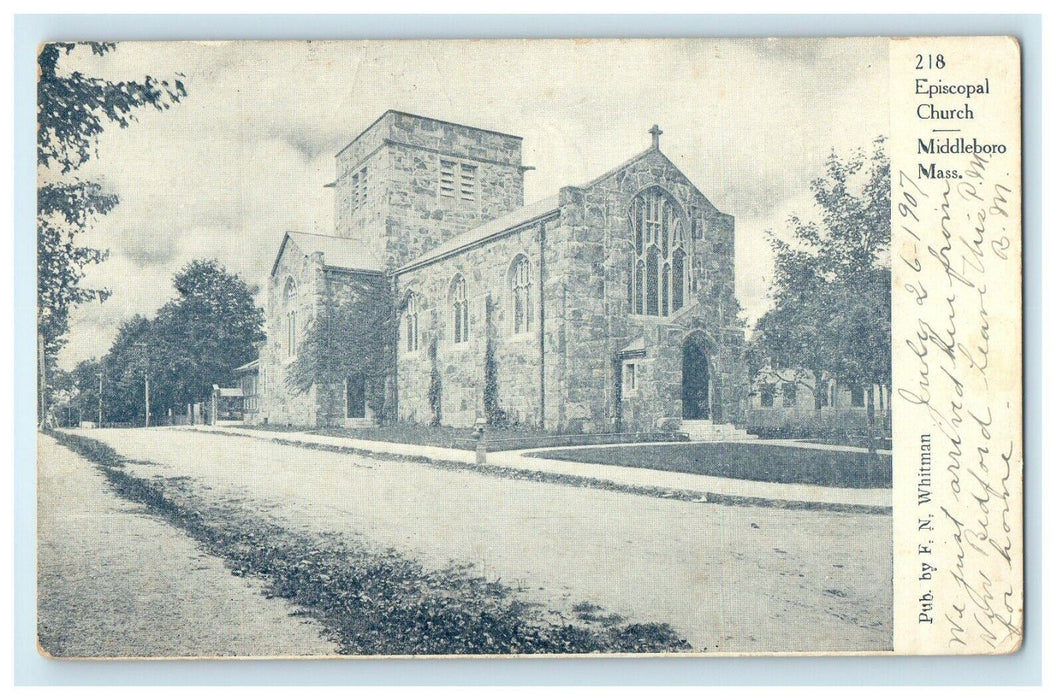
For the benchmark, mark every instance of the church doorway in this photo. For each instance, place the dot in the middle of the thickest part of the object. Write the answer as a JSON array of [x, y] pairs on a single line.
[[695, 383], [356, 396], [699, 400]]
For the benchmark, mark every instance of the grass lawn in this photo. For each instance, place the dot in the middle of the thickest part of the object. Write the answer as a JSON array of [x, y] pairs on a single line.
[[412, 434], [739, 460], [495, 438]]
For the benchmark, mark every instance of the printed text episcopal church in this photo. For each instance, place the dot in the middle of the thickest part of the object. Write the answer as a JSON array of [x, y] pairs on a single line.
[[609, 305]]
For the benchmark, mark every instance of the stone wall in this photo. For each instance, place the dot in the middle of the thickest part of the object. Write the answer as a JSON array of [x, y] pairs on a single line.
[[364, 222], [341, 288], [280, 405], [461, 367], [317, 286]]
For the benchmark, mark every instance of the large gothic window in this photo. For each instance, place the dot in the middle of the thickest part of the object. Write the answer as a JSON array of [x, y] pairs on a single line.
[[658, 255], [521, 294], [460, 305], [292, 338]]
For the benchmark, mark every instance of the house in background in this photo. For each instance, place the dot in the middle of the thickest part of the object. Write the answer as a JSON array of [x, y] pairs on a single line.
[[225, 406], [783, 404], [247, 380]]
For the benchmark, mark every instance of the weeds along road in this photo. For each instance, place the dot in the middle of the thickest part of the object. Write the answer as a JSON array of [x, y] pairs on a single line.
[[115, 582], [726, 578]]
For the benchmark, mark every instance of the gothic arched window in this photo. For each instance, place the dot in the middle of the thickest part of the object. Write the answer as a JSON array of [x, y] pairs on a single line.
[[412, 326], [658, 257], [521, 294], [460, 304], [679, 266], [291, 339]]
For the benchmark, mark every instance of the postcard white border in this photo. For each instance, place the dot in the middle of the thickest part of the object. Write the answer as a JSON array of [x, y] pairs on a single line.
[[31, 669]]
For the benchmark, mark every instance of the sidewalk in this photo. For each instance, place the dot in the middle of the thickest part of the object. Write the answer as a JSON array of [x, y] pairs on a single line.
[[624, 476], [389, 448], [809, 445]]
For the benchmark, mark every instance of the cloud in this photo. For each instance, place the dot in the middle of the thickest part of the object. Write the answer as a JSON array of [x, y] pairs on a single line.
[[245, 156]]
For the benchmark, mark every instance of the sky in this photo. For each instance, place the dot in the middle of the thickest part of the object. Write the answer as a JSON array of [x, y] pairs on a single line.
[[245, 156]]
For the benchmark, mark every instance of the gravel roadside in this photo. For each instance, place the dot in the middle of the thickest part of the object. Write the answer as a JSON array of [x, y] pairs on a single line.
[[115, 582]]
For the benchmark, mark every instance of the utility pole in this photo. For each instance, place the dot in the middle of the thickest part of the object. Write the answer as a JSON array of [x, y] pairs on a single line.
[[99, 422], [147, 393]]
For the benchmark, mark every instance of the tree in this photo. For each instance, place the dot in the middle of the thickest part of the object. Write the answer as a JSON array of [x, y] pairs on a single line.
[[435, 384], [494, 412], [72, 110], [354, 336], [124, 367], [831, 291], [201, 336], [195, 341], [84, 382]]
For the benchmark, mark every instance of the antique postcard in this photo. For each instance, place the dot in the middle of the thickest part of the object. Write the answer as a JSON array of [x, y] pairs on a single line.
[[525, 347]]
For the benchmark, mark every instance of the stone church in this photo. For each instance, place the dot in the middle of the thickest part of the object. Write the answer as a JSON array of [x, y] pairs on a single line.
[[607, 306]]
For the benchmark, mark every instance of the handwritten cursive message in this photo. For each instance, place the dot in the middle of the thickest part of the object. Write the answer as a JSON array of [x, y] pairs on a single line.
[[957, 350]]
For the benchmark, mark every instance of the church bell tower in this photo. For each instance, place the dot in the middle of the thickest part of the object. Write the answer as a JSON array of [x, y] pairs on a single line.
[[409, 183]]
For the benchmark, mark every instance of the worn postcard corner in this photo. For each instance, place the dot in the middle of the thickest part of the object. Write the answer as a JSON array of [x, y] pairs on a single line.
[[686, 346]]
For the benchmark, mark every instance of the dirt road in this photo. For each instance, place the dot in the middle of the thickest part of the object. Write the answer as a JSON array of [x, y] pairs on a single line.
[[734, 579], [115, 582]]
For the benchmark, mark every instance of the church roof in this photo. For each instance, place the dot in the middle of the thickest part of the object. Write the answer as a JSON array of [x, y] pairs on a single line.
[[496, 227], [251, 366], [343, 253]]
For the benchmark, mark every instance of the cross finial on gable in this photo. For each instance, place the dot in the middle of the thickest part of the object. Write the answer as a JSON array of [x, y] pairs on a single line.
[[656, 133]]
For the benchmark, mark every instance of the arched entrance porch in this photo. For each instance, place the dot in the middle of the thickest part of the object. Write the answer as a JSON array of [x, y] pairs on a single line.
[[701, 395]]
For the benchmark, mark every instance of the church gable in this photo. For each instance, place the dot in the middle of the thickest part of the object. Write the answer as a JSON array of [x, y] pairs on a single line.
[[653, 168], [658, 240], [287, 250], [335, 252]]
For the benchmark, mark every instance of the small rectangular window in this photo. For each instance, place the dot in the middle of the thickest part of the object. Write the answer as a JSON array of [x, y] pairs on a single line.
[[767, 397], [468, 182], [857, 396], [447, 178], [359, 188], [789, 394], [630, 378], [458, 181]]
